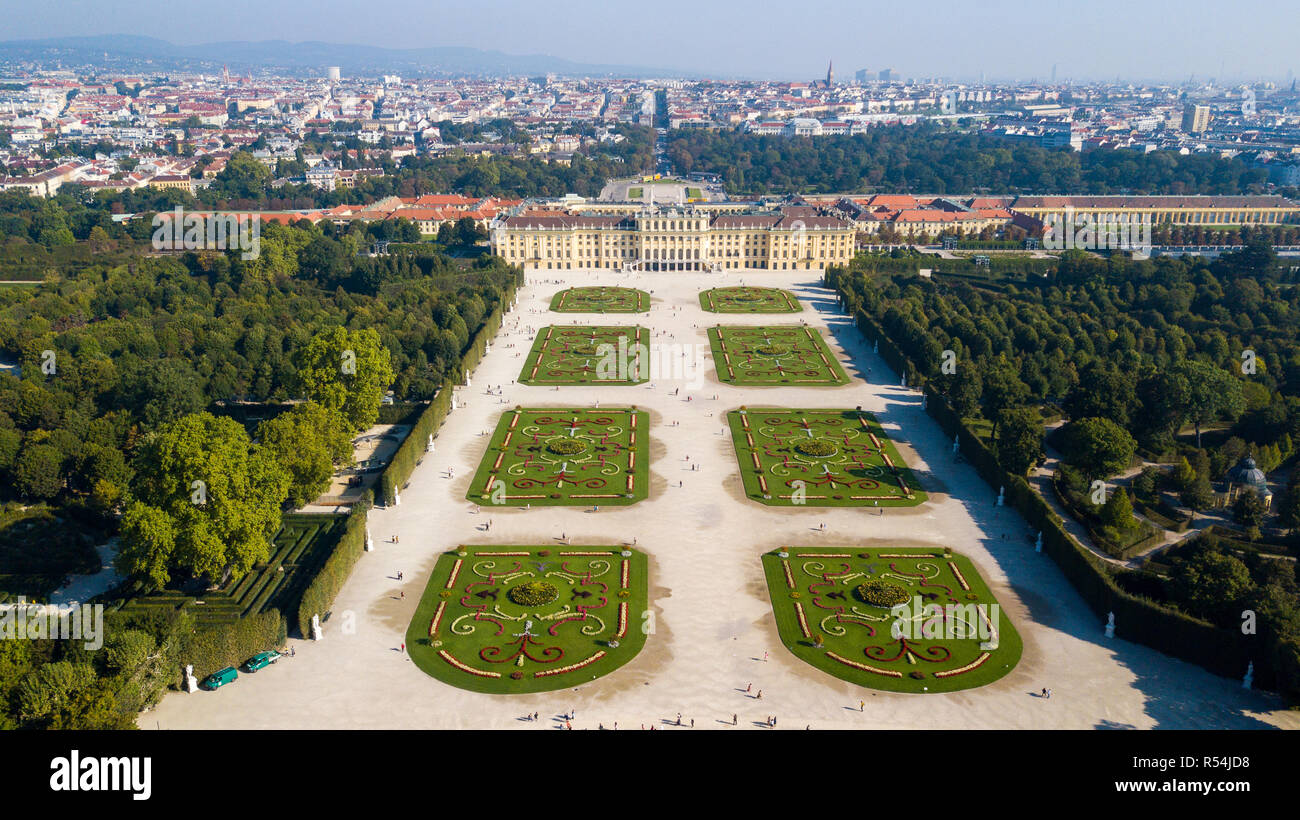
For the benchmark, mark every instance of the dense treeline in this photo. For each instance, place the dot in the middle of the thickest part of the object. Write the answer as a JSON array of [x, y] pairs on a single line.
[[1144, 357], [931, 159], [134, 346], [125, 357]]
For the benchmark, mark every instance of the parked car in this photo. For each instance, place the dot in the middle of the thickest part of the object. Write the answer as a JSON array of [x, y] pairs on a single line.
[[220, 678], [261, 660]]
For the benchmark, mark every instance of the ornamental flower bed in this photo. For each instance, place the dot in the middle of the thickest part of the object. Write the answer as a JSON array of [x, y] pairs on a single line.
[[748, 299], [601, 300], [605, 355], [895, 619], [521, 619], [820, 458], [774, 355], [578, 457]]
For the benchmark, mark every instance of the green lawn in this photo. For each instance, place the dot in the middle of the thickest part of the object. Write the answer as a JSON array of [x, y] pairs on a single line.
[[774, 355], [749, 300], [842, 457], [635, 194], [951, 633], [587, 355], [694, 193], [518, 619], [566, 457], [601, 300]]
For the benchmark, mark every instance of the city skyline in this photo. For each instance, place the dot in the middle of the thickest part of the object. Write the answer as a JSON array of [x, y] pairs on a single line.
[[999, 41]]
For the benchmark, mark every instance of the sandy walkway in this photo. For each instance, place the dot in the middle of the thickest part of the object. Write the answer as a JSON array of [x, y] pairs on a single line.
[[704, 540]]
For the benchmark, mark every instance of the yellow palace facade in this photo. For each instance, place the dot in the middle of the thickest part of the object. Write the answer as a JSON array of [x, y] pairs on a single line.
[[670, 239]]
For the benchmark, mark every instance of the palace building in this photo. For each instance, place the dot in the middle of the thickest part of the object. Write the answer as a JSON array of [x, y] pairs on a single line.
[[672, 239]]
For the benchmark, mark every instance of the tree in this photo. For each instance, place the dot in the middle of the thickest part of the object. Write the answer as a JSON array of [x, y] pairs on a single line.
[[1117, 512], [1288, 508], [1104, 392], [347, 371], [37, 471], [244, 177], [1211, 393], [1019, 439], [204, 502], [1003, 389], [1248, 509], [307, 441], [1210, 584], [1098, 446], [1199, 495]]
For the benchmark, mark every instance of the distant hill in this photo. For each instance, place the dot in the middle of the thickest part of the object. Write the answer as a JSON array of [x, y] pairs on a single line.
[[126, 51]]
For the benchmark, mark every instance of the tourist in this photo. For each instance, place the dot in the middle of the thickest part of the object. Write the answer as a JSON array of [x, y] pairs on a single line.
[[749, 687], [734, 719]]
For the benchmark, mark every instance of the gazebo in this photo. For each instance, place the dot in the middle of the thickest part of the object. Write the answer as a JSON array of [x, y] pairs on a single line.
[[1245, 476]]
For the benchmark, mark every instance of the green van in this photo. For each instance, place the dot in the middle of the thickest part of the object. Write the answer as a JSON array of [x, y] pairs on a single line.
[[220, 678], [261, 660]]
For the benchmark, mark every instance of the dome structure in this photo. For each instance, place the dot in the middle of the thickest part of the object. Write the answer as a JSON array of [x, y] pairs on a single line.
[[1248, 474]]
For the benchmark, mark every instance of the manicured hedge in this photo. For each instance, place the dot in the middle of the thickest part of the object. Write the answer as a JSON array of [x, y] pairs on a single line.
[[318, 597], [216, 646], [1137, 619], [410, 452]]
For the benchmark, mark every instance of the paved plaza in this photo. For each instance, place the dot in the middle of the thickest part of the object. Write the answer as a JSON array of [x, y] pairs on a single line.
[[704, 540]]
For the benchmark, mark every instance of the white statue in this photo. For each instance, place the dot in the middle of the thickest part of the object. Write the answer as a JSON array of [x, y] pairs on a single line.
[[875, 348], [924, 400], [1038, 544], [468, 381], [453, 401], [1110, 625], [1002, 491], [316, 634], [1247, 681], [956, 445], [191, 683], [428, 447], [397, 498], [370, 542], [904, 380]]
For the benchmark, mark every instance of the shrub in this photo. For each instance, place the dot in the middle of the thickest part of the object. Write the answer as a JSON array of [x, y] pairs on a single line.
[[881, 593], [533, 593], [816, 448], [566, 446]]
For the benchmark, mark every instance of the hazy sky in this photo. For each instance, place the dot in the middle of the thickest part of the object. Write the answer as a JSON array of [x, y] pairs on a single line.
[[1094, 39]]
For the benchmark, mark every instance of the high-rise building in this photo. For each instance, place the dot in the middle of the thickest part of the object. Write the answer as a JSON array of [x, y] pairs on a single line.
[[886, 75], [334, 74], [1196, 118]]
